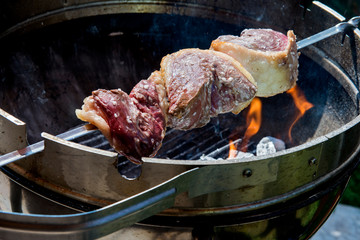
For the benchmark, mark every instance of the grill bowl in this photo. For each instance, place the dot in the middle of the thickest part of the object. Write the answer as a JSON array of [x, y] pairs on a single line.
[[56, 55]]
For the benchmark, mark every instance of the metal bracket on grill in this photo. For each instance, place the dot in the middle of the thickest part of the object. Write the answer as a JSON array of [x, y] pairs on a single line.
[[26, 151], [12, 133], [56, 148], [225, 177], [212, 177]]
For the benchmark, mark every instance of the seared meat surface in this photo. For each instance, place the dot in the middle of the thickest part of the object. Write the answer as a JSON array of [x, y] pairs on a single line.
[[134, 124], [201, 84], [258, 39]]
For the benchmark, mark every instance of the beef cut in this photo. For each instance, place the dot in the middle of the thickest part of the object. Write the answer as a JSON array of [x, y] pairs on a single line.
[[270, 56], [134, 124], [201, 84], [192, 86]]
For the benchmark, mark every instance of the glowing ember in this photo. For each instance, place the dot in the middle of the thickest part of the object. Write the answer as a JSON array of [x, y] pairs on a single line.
[[253, 121], [301, 103]]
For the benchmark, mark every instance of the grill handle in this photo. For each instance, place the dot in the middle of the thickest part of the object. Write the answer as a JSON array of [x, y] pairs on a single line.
[[106, 220], [97, 223]]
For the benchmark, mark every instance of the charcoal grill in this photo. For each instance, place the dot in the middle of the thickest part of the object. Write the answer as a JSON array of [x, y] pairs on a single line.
[[55, 54]]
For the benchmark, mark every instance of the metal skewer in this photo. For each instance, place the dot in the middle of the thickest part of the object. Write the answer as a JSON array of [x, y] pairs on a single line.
[[39, 146], [343, 27]]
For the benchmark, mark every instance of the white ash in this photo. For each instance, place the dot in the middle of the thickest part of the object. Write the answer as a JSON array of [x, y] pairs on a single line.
[[268, 145], [207, 158], [240, 154], [236, 154]]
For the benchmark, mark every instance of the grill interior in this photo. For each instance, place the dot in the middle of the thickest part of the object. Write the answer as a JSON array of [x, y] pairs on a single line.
[[47, 73]]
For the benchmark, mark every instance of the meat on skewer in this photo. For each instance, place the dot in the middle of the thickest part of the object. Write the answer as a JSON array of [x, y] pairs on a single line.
[[201, 84], [270, 56], [194, 85], [133, 124]]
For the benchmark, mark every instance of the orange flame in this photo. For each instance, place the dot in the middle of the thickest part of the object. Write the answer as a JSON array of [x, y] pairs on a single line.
[[253, 121], [232, 149], [301, 103]]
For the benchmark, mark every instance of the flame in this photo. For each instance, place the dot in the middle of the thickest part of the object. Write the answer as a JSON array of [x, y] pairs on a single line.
[[232, 149], [253, 121], [301, 103]]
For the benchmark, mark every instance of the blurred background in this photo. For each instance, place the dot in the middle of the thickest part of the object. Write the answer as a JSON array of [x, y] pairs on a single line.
[[348, 8]]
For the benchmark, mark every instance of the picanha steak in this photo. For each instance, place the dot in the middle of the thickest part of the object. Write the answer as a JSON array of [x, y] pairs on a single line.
[[270, 56]]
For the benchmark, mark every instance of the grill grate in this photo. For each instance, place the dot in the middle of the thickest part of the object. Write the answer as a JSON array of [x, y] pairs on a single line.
[[193, 144], [212, 140], [184, 145], [94, 139]]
